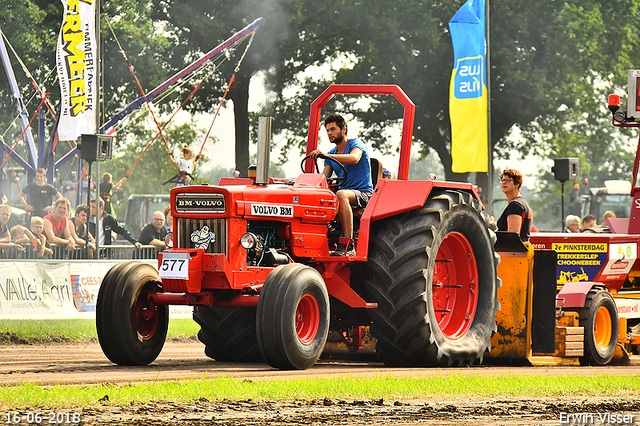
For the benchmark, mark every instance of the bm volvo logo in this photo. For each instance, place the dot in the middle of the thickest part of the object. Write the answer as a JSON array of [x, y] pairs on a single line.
[[203, 237], [469, 78], [200, 203]]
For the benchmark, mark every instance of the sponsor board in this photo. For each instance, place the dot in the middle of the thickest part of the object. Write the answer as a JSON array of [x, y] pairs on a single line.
[[579, 261], [621, 259], [628, 308], [56, 289]]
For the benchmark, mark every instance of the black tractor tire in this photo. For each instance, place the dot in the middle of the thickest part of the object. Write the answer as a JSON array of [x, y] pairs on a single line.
[[292, 319], [599, 317], [131, 330], [427, 269], [228, 333]]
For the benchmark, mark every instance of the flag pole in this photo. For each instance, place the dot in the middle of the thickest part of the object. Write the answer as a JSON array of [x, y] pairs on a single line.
[[490, 147]]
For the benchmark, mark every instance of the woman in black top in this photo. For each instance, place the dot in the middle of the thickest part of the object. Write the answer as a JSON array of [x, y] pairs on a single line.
[[517, 217]]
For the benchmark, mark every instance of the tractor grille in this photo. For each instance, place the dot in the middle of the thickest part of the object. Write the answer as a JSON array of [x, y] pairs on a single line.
[[187, 227]]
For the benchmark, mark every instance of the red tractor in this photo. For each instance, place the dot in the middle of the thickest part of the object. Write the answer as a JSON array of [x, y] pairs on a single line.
[[252, 256]]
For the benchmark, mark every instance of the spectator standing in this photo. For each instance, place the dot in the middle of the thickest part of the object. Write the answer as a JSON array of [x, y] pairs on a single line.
[[5, 235], [106, 225], [57, 226], [517, 216], [572, 224], [168, 219], [153, 234], [106, 190], [40, 194]]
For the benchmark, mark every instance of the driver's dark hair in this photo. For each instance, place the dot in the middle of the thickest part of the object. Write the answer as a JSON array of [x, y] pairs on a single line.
[[338, 119]]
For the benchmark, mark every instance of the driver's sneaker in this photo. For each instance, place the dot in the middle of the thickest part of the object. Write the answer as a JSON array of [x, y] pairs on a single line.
[[345, 248]]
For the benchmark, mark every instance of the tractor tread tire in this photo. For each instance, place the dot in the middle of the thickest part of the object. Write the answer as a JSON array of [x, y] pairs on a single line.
[[400, 271], [228, 333], [596, 298]]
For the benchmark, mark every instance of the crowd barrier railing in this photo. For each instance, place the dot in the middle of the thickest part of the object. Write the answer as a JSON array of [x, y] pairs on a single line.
[[111, 252]]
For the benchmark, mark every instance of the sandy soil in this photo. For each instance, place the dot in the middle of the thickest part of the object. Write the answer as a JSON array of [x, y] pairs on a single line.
[[85, 364]]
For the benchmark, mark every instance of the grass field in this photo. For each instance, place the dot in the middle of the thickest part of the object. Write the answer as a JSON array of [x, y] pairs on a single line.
[[76, 330], [386, 387], [451, 386]]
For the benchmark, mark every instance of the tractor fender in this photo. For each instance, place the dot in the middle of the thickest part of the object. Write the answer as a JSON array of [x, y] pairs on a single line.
[[392, 197], [574, 294]]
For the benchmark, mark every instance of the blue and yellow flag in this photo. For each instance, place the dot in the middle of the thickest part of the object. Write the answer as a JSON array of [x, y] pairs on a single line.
[[468, 91]]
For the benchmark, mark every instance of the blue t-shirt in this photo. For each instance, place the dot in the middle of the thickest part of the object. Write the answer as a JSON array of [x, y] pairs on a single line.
[[358, 175]]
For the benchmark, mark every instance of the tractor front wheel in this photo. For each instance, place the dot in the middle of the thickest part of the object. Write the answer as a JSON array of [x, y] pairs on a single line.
[[131, 329], [293, 317]]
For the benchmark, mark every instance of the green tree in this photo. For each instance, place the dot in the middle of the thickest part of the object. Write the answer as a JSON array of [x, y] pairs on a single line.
[[548, 62]]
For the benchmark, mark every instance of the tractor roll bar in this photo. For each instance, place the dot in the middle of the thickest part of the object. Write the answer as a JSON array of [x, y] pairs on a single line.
[[365, 89]]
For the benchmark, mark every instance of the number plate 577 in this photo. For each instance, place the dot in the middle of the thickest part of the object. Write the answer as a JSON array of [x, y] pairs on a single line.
[[175, 266]]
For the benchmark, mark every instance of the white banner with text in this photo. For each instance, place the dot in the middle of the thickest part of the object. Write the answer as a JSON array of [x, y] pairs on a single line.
[[56, 289]]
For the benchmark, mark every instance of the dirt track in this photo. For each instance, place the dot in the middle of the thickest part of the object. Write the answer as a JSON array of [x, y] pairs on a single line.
[[85, 364]]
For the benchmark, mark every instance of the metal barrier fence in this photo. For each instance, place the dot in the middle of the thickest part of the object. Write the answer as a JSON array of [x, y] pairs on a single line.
[[112, 252]]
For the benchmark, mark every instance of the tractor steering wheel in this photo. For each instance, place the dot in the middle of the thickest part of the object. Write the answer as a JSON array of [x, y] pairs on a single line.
[[333, 182]]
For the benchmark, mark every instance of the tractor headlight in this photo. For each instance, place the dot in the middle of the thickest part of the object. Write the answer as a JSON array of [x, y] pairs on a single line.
[[248, 241], [168, 240]]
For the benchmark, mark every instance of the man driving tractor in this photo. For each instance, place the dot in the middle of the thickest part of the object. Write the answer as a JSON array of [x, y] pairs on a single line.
[[356, 190]]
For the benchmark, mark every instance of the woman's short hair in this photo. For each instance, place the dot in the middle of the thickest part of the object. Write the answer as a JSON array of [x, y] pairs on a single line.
[[513, 174]]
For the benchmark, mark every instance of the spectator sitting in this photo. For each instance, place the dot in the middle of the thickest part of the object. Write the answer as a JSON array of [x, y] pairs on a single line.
[[5, 235], [603, 225], [572, 224], [608, 214], [153, 234], [56, 226], [37, 227], [107, 223], [22, 235], [40, 194], [589, 224]]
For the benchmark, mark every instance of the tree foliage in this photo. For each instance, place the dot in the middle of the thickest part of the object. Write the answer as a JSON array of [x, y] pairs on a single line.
[[550, 65]]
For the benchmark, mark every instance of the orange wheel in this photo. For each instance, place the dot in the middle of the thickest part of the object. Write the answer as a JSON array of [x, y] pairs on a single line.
[[599, 317], [602, 328]]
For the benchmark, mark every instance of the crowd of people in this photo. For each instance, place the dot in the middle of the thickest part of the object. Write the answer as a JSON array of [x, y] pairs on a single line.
[[574, 224], [53, 232]]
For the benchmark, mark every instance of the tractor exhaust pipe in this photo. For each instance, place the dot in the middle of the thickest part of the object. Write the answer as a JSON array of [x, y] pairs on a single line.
[[264, 148]]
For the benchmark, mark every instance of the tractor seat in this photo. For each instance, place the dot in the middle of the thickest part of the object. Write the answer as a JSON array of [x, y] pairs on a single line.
[[376, 173]]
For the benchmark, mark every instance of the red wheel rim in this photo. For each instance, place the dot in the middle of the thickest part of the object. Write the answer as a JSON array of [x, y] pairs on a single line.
[[146, 315], [455, 285], [307, 318]]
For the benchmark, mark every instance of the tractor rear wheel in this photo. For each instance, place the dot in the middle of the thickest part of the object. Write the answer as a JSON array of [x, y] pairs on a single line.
[[432, 272], [228, 333], [292, 319], [599, 317], [131, 329]]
